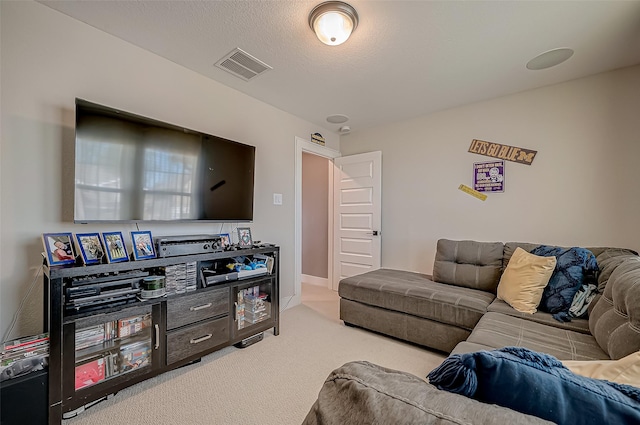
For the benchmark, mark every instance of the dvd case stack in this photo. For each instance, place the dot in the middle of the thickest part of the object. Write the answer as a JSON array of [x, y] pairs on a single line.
[[256, 308], [21, 356], [252, 307], [110, 349], [132, 325], [135, 355], [89, 373], [191, 279], [176, 276]]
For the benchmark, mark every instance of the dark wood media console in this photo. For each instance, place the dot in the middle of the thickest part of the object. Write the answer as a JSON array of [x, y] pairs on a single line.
[[94, 354]]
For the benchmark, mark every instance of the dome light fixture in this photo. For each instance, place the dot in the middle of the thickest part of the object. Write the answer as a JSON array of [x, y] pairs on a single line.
[[333, 22]]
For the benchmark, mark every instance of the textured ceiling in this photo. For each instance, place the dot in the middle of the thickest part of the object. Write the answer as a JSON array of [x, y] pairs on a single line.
[[405, 59]]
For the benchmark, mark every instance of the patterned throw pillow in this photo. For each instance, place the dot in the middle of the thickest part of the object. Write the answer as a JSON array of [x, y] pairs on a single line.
[[567, 278]]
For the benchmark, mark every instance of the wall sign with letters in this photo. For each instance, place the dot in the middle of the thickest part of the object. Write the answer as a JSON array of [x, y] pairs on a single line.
[[506, 152]]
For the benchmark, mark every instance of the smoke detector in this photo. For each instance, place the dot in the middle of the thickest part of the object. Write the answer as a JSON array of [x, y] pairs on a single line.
[[345, 129]]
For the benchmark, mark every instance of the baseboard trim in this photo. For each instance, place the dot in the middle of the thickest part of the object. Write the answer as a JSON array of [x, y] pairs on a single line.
[[315, 280]]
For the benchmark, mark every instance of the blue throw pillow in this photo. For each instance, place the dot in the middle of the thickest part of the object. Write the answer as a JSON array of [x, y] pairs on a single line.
[[537, 384], [567, 278]]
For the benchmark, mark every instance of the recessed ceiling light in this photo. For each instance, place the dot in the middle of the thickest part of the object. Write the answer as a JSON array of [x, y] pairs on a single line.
[[551, 58], [337, 119]]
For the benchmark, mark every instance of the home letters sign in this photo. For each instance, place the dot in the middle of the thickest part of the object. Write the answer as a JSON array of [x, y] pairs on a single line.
[[506, 152]]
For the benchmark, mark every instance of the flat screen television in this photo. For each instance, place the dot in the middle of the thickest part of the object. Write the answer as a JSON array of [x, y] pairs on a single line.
[[130, 168]]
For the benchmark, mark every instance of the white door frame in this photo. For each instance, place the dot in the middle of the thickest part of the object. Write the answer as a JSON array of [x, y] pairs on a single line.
[[303, 145]]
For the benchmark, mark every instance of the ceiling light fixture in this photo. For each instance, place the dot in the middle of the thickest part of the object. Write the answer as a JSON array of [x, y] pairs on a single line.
[[550, 58], [333, 22]]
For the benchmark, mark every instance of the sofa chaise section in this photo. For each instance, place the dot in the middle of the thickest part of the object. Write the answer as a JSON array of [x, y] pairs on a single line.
[[430, 311], [412, 307]]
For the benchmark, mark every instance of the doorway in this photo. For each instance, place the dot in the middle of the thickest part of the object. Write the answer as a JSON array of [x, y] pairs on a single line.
[[326, 154], [316, 194]]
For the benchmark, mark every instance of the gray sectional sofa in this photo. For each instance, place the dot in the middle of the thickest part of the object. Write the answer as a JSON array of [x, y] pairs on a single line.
[[456, 311]]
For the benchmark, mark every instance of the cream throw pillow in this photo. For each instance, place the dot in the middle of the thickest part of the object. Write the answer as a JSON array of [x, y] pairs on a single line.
[[524, 280], [623, 371]]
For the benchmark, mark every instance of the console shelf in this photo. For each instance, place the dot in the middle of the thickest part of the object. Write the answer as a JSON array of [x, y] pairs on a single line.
[[98, 351]]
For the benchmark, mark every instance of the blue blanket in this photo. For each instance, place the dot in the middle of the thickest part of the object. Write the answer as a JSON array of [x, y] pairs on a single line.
[[537, 384], [569, 275]]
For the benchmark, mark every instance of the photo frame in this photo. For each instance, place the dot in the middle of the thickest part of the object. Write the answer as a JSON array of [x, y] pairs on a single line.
[[90, 247], [114, 247], [226, 240], [244, 237], [59, 248], [142, 245]]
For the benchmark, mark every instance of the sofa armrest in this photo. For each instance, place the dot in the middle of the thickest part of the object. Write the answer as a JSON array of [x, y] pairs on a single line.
[[362, 392]]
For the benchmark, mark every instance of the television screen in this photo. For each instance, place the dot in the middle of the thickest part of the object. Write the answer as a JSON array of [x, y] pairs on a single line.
[[131, 168]]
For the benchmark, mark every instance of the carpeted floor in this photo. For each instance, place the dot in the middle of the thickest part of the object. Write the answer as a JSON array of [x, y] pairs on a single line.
[[272, 382]]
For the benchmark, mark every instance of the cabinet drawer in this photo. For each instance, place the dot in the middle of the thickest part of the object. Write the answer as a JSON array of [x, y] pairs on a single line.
[[197, 338], [197, 306]]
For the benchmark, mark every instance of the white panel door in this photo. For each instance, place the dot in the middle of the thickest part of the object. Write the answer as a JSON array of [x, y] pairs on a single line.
[[357, 198]]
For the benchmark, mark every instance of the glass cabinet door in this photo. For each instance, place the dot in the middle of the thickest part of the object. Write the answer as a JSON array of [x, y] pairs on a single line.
[[108, 346], [253, 305]]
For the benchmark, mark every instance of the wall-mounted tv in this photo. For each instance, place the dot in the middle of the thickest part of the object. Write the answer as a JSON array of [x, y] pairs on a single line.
[[130, 168]]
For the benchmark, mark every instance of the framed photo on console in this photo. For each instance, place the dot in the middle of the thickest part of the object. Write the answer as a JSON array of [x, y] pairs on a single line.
[[142, 245], [244, 237], [114, 245], [90, 247], [59, 248], [226, 240]]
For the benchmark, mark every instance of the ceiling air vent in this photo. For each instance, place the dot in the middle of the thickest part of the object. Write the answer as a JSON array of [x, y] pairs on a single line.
[[242, 65]]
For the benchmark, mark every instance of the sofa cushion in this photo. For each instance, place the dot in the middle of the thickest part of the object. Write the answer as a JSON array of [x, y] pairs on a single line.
[[364, 393], [623, 371], [510, 248], [407, 327], [498, 330], [614, 321], [576, 325], [416, 294], [469, 347], [608, 260], [537, 384], [525, 278], [471, 264]]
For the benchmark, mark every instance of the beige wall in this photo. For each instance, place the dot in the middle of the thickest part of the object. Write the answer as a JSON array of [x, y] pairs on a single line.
[[315, 215], [582, 188], [49, 59]]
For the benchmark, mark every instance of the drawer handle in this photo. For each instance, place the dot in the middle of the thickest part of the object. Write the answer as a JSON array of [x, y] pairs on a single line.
[[200, 307], [157, 337], [202, 338]]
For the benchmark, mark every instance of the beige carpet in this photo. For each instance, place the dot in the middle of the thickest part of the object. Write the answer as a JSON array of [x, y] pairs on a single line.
[[272, 382]]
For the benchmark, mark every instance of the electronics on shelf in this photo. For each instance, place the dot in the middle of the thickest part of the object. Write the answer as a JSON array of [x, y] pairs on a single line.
[[173, 246], [86, 294]]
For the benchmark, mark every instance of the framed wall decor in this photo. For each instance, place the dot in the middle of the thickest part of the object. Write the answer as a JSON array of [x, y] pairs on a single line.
[[90, 247], [488, 176], [244, 237], [59, 248], [114, 246], [142, 245], [226, 240]]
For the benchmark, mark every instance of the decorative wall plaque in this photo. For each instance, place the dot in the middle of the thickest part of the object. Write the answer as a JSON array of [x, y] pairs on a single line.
[[506, 152]]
